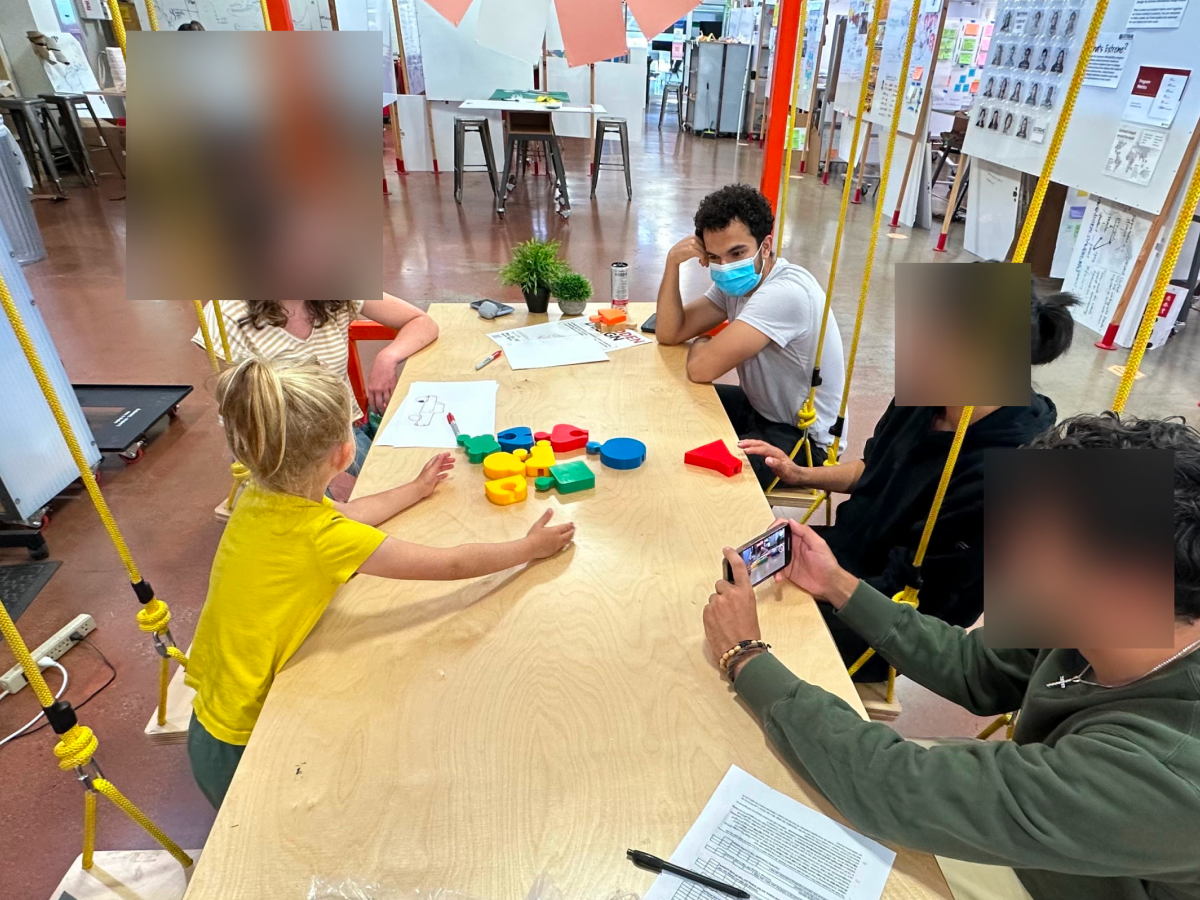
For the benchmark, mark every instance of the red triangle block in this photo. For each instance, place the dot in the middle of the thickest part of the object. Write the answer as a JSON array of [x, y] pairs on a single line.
[[715, 456], [567, 437]]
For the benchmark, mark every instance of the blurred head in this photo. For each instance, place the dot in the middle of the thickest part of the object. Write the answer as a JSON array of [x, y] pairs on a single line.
[[191, 26], [1096, 548], [288, 422], [733, 223], [961, 338]]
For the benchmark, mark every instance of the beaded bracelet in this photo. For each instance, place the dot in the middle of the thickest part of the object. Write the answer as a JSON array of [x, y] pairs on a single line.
[[738, 649]]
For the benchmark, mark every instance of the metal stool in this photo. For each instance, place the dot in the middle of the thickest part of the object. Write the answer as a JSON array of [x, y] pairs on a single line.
[[611, 125], [34, 136], [525, 128], [72, 130], [479, 125], [676, 88]]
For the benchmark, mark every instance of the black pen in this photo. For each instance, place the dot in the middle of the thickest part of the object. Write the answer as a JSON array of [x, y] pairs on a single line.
[[654, 864]]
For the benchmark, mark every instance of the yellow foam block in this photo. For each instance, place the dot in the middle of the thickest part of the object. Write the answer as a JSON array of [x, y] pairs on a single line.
[[504, 491], [502, 465], [541, 458]]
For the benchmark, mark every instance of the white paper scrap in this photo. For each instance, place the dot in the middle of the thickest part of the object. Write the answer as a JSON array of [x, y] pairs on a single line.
[[421, 419], [755, 838], [616, 340], [561, 351]]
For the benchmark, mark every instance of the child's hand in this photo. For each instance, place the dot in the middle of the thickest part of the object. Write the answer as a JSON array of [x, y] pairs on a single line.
[[434, 472], [548, 540]]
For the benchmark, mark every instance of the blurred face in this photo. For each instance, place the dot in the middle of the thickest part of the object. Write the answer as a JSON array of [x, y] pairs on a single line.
[[735, 243]]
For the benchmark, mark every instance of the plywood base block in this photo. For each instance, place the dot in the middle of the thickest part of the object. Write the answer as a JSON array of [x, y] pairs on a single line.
[[874, 697], [793, 498], [127, 875], [179, 713]]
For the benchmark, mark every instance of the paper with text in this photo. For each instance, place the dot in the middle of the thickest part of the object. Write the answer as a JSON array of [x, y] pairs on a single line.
[[753, 837], [566, 328], [421, 419], [560, 351]]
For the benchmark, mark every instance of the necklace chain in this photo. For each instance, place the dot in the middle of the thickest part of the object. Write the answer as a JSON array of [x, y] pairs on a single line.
[[1063, 680]]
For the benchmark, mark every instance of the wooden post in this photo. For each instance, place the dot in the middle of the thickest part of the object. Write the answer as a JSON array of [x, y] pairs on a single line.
[[813, 130], [1108, 342], [783, 70], [333, 22], [432, 140], [862, 166], [831, 80], [396, 136], [763, 25], [920, 137], [952, 202]]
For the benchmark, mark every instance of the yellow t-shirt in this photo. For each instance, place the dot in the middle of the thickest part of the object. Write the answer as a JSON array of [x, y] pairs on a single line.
[[279, 562]]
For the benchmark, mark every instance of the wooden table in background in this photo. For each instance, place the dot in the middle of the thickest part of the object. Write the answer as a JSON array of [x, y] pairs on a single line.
[[473, 736]]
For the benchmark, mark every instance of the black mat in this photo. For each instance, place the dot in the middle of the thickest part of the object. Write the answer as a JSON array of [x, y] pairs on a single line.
[[20, 584]]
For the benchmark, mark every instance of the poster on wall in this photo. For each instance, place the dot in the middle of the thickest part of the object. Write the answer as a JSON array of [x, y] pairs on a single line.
[[1155, 97], [814, 32], [854, 50], [891, 60], [1135, 152], [1107, 62], [1156, 13], [1110, 237]]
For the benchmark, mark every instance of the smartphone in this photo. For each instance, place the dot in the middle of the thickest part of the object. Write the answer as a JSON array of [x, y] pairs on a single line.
[[648, 325], [767, 554]]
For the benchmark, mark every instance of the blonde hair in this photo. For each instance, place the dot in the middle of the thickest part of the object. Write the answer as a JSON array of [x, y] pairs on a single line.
[[282, 418]]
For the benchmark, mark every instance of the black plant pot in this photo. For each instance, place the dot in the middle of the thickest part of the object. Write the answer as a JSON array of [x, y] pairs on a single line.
[[538, 301]]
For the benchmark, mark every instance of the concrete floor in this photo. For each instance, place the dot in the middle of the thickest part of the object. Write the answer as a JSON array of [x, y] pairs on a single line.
[[434, 250]]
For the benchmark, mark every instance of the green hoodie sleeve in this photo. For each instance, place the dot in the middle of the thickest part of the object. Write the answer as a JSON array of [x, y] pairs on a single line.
[[950, 661], [1065, 808]]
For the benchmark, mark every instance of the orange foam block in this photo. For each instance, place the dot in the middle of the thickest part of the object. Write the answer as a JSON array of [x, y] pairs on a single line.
[[715, 456], [609, 317]]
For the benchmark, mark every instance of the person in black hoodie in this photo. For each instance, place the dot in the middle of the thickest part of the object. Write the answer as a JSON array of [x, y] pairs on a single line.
[[891, 488]]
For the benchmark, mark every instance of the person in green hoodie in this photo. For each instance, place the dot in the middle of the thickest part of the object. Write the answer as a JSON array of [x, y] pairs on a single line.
[[1097, 795]]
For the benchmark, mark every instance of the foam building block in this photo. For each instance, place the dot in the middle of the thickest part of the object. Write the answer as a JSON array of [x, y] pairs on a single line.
[[541, 435], [715, 456], [504, 491], [609, 317], [544, 483], [564, 438], [502, 465], [519, 438], [593, 448], [540, 460], [622, 453], [478, 447], [573, 476]]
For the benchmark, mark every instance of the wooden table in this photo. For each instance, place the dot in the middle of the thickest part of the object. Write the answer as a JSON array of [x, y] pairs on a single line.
[[473, 736]]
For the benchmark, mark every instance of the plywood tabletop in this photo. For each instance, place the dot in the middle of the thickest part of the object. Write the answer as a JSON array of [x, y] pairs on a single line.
[[475, 735]]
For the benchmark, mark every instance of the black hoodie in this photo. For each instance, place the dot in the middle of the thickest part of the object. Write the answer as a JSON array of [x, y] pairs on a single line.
[[878, 527]]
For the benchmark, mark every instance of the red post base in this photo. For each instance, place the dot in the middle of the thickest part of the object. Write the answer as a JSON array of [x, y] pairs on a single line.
[[941, 244], [825, 177], [385, 187], [802, 166], [399, 167], [857, 196], [895, 218], [1108, 342], [435, 167]]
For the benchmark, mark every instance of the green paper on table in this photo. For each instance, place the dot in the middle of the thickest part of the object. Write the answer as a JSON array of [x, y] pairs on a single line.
[[501, 94]]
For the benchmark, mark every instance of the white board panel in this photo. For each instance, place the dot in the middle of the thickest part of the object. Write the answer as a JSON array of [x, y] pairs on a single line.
[[456, 67], [414, 135], [513, 27], [620, 89], [991, 209], [892, 58], [854, 57], [918, 181], [1098, 110]]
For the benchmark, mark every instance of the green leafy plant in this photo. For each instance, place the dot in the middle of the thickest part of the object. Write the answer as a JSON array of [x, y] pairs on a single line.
[[534, 265], [572, 287]]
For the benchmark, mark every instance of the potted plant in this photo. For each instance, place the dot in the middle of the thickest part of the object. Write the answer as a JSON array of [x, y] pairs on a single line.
[[572, 291], [534, 268]]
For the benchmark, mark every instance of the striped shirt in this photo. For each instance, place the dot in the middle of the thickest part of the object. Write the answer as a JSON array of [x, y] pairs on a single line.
[[329, 344]]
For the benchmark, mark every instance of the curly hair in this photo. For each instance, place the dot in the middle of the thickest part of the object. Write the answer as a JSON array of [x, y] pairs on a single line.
[[261, 313], [738, 202], [1111, 432]]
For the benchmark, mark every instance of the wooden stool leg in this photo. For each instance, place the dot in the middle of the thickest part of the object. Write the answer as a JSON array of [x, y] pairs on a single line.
[[624, 132]]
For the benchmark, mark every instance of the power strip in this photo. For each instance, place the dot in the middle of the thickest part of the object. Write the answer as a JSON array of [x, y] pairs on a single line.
[[55, 648]]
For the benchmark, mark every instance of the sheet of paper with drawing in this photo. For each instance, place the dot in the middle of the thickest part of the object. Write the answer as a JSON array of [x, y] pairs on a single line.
[[569, 328], [421, 419], [756, 838]]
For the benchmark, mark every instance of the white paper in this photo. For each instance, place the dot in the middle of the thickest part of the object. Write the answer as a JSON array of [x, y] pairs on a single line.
[[756, 838], [1108, 59], [559, 351], [1155, 96], [1135, 152], [1110, 238], [574, 328], [421, 419], [1156, 13]]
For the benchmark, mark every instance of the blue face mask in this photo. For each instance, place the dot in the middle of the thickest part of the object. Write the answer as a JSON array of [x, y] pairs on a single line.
[[736, 279]]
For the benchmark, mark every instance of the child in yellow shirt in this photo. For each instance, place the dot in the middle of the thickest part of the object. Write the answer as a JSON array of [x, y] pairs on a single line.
[[287, 548]]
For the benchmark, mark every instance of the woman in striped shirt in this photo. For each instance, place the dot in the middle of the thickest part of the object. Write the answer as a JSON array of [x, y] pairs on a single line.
[[271, 329]]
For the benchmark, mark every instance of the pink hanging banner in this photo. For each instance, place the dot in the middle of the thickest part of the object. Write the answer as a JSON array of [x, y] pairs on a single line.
[[592, 30], [451, 10], [653, 16]]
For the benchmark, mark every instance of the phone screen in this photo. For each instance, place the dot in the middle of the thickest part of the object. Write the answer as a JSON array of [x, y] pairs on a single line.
[[765, 555]]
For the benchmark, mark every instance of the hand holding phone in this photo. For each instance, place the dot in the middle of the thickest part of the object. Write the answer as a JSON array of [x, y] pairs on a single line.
[[766, 554]]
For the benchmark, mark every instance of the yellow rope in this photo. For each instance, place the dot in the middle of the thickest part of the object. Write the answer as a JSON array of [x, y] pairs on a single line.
[[109, 790], [204, 333], [89, 827], [221, 329], [791, 123], [262, 4], [152, 15], [118, 24], [996, 725], [1060, 130], [1161, 282]]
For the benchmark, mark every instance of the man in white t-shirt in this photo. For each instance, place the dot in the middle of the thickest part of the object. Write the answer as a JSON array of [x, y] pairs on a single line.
[[774, 310]]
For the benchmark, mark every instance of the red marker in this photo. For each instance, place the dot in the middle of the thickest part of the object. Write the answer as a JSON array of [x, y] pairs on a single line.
[[453, 425], [487, 359]]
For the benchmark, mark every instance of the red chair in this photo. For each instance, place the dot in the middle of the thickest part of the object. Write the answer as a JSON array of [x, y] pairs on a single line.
[[363, 330]]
